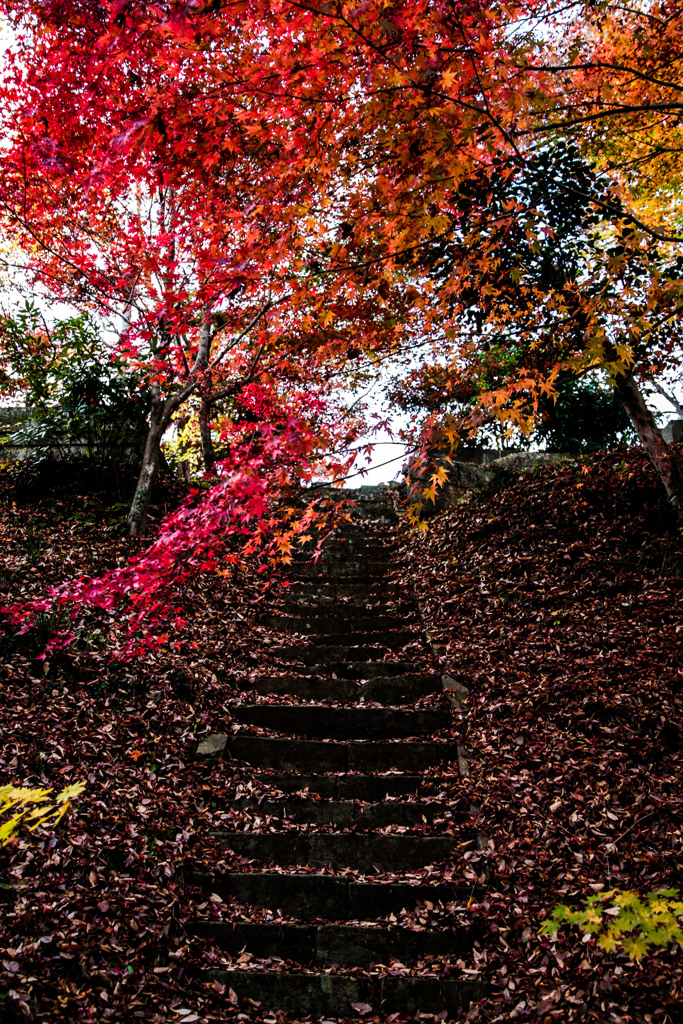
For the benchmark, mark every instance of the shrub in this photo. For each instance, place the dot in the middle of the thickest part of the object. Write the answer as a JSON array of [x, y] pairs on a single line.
[[622, 919]]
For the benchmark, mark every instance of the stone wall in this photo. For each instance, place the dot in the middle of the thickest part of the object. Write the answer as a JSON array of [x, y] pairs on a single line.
[[673, 432], [468, 477]]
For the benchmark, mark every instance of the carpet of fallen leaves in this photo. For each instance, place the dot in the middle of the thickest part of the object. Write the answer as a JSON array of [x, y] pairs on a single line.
[[557, 602], [91, 926]]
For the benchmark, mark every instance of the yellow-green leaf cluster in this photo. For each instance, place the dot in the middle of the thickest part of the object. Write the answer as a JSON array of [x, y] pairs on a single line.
[[623, 919], [31, 808]]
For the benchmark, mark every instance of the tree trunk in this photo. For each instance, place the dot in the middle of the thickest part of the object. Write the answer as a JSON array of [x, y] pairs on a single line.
[[205, 434], [650, 436], [137, 516], [160, 417]]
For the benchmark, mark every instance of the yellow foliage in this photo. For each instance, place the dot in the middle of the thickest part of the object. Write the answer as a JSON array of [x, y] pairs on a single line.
[[622, 918], [33, 808]]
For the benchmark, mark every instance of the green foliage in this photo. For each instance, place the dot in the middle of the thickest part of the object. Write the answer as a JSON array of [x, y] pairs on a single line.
[[80, 399], [622, 919], [546, 244], [33, 808], [587, 416]]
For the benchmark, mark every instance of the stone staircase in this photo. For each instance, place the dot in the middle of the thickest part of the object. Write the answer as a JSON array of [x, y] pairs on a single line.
[[345, 735]]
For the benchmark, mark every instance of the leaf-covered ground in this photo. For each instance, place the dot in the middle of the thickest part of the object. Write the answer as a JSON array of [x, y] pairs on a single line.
[[556, 601], [91, 923]]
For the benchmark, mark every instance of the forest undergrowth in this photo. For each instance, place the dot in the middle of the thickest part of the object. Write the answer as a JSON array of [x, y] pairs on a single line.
[[555, 600]]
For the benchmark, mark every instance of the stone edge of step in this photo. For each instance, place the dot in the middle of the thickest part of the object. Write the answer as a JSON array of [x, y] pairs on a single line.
[[212, 747], [336, 994]]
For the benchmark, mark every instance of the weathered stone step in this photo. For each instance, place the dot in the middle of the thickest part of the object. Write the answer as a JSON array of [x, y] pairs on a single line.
[[358, 570], [347, 945], [351, 607], [391, 690], [355, 541], [308, 994], [363, 669], [343, 723], [344, 787], [349, 813], [300, 755], [309, 653], [383, 641], [307, 896], [328, 625], [362, 851], [341, 657], [367, 559], [372, 590]]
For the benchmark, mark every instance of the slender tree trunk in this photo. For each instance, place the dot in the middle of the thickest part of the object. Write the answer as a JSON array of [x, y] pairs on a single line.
[[160, 417], [205, 434], [664, 462], [137, 516], [205, 407]]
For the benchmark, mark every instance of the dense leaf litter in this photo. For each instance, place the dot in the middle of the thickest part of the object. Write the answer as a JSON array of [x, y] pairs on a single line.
[[555, 601]]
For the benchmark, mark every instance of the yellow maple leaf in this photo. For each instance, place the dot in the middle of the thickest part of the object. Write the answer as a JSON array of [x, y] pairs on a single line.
[[608, 941]]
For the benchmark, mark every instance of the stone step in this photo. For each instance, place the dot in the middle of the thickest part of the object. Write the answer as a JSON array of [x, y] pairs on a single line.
[[346, 945], [321, 604], [391, 690], [317, 995], [382, 641], [371, 590], [310, 653], [356, 541], [331, 897], [343, 723], [363, 669], [357, 570], [329, 625], [344, 787], [301, 755], [361, 556], [349, 813], [351, 607], [362, 851], [346, 608]]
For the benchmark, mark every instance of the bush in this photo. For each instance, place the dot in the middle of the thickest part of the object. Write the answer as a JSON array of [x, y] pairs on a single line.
[[81, 403], [622, 919], [587, 416]]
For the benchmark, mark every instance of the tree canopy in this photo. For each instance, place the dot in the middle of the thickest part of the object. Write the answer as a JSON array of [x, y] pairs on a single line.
[[272, 200]]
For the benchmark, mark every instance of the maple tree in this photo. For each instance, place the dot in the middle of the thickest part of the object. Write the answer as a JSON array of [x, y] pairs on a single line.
[[606, 79], [551, 286], [556, 78], [609, 79], [212, 193], [151, 191], [257, 192]]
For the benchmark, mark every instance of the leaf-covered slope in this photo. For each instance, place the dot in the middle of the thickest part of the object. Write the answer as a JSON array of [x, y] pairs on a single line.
[[557, 601]]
